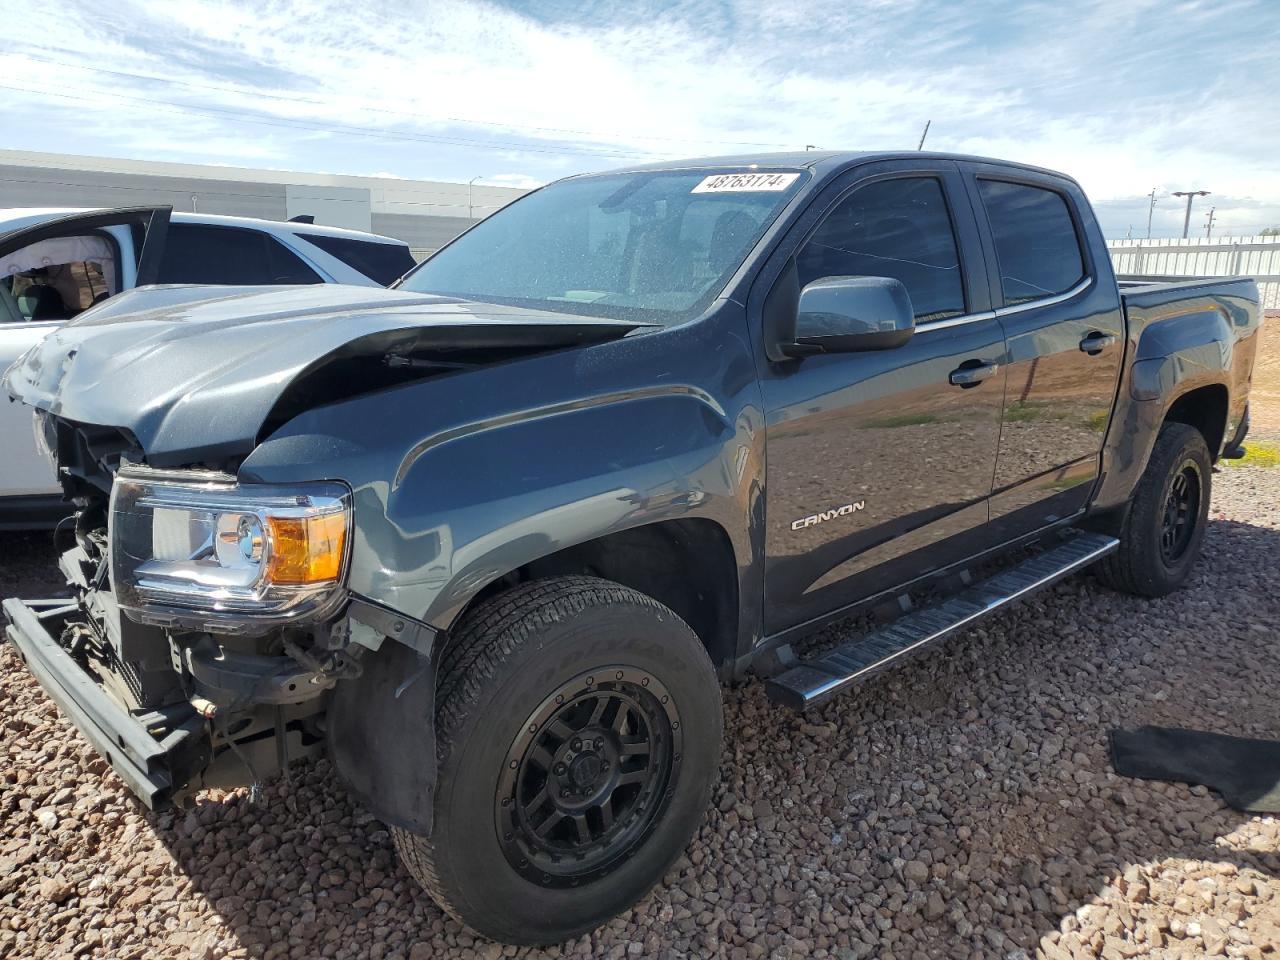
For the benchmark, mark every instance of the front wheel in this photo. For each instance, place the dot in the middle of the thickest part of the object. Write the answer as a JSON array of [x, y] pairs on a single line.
[[578, 725], [1164, 527]]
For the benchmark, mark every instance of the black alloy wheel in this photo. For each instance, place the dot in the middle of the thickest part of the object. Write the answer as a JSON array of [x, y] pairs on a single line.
[[578, 731], [1163, 526], [1181, 512], [587, 776]]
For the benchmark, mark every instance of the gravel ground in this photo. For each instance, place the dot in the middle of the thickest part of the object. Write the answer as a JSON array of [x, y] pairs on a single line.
[[1264, 394], [960, 806]]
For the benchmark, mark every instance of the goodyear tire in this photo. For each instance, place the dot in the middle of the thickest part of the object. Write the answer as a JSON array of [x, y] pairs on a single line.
[[578, 729], [1164, 528]]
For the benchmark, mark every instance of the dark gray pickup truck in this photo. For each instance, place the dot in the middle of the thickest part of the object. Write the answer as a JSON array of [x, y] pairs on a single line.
[[493, 539]]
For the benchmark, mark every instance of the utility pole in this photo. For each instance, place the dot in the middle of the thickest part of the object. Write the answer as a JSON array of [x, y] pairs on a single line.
[[920, 146], [1150, 210], [1208, 227], [469, 185], [1190, 195]]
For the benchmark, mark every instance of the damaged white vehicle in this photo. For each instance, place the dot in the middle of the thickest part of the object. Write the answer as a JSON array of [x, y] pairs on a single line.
[[57, 263]]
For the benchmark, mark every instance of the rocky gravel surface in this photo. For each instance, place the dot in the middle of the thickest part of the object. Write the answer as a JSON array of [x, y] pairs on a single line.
[[959, 806], [1264, 394]]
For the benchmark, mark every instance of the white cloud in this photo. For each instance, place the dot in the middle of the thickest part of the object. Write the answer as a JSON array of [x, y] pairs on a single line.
[[1123, 94]]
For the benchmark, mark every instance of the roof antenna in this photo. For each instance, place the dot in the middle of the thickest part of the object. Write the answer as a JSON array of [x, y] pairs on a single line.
[[923, 135]]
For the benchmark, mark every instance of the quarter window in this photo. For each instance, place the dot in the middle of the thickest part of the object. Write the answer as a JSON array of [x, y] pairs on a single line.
[[892, 228], [383, 262], [1035, 239]]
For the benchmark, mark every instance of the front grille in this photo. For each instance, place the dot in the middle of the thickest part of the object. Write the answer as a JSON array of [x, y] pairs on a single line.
[[148, 689], [128, 675]]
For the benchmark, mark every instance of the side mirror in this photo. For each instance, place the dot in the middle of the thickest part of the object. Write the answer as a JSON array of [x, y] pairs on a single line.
[[843, 314]]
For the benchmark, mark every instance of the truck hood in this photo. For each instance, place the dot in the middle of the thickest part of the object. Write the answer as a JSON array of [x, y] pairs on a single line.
[[194, 373]]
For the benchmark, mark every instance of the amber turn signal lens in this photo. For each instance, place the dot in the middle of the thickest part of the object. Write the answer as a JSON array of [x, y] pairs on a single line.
[[307, 549]]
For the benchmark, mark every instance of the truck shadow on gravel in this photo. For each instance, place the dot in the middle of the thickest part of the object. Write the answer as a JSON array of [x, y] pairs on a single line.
[[960, 805]]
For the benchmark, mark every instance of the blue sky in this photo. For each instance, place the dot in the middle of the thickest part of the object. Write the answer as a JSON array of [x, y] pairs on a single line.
[[1127, 95]]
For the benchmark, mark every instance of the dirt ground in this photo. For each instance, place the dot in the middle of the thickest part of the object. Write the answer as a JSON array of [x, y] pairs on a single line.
[[962, 805], [1265, 393]]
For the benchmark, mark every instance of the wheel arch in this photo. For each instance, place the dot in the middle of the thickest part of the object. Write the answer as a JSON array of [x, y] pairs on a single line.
[[1206, 408], [687, 564]]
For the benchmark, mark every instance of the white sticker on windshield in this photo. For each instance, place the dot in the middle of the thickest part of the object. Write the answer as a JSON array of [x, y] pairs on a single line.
[[744, 182]]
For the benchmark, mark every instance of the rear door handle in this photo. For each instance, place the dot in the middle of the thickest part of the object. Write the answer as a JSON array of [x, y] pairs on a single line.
[[971, 376], [1096, 342]]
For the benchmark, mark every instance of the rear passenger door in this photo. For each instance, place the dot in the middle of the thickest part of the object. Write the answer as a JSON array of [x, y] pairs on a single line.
[[1064, 333]]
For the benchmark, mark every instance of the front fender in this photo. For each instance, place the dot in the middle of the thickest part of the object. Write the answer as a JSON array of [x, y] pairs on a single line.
[[463, 510], [459, 480]]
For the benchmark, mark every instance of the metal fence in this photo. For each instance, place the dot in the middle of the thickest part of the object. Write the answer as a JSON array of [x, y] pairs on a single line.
[[1257, 257]]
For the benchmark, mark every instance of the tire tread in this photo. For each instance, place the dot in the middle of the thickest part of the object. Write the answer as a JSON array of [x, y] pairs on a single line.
[[1128, 568], [488, 637]]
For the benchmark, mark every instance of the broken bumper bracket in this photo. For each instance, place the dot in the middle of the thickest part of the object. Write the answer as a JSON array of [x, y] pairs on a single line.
[[155, 766]]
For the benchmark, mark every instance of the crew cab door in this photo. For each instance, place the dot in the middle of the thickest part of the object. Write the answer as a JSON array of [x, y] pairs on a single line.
[[49, 272], [1065, 334], [888, 449]]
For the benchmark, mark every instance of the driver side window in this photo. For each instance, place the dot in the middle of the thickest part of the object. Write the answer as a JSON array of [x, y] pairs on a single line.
[[892, 228]]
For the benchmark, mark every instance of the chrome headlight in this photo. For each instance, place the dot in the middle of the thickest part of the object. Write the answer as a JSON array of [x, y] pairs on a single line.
[[203, 551]]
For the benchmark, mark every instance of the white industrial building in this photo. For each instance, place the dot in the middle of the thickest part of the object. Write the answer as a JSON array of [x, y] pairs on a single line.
[[426, 214], [423, 213]]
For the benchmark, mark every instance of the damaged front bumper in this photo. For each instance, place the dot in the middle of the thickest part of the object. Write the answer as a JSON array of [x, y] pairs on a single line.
[[376, 723], [238, 718], [158, 753]]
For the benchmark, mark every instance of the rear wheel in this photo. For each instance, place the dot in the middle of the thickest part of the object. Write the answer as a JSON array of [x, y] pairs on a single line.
[[1164, 527], [578, 729]]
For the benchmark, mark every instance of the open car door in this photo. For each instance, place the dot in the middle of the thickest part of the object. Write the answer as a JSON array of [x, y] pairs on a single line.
[[51, 270]]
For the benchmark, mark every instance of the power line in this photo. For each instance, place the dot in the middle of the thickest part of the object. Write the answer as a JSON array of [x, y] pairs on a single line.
[[313, 101], [218, 113]]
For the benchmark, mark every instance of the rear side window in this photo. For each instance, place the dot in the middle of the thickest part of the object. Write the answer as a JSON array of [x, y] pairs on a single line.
[[1035, 239], [382, 262], [893, 228], [194, 253]]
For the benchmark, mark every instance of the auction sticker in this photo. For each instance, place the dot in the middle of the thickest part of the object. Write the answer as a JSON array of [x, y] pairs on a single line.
[[745, 182]]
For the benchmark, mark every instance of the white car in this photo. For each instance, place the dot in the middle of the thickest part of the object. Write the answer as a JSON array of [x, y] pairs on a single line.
[[56, 263]]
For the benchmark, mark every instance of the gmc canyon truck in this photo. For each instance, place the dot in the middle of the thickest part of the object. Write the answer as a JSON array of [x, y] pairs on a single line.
[[494, 538]]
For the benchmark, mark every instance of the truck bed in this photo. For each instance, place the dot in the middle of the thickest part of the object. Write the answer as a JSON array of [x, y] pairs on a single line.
[[1147, 291]]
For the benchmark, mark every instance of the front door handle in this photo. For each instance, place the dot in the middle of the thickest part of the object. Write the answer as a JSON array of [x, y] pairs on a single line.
[[971, 376], [1096, 342]]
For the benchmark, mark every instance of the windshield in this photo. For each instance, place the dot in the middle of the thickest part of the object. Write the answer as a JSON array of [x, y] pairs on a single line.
[[656, 246]]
